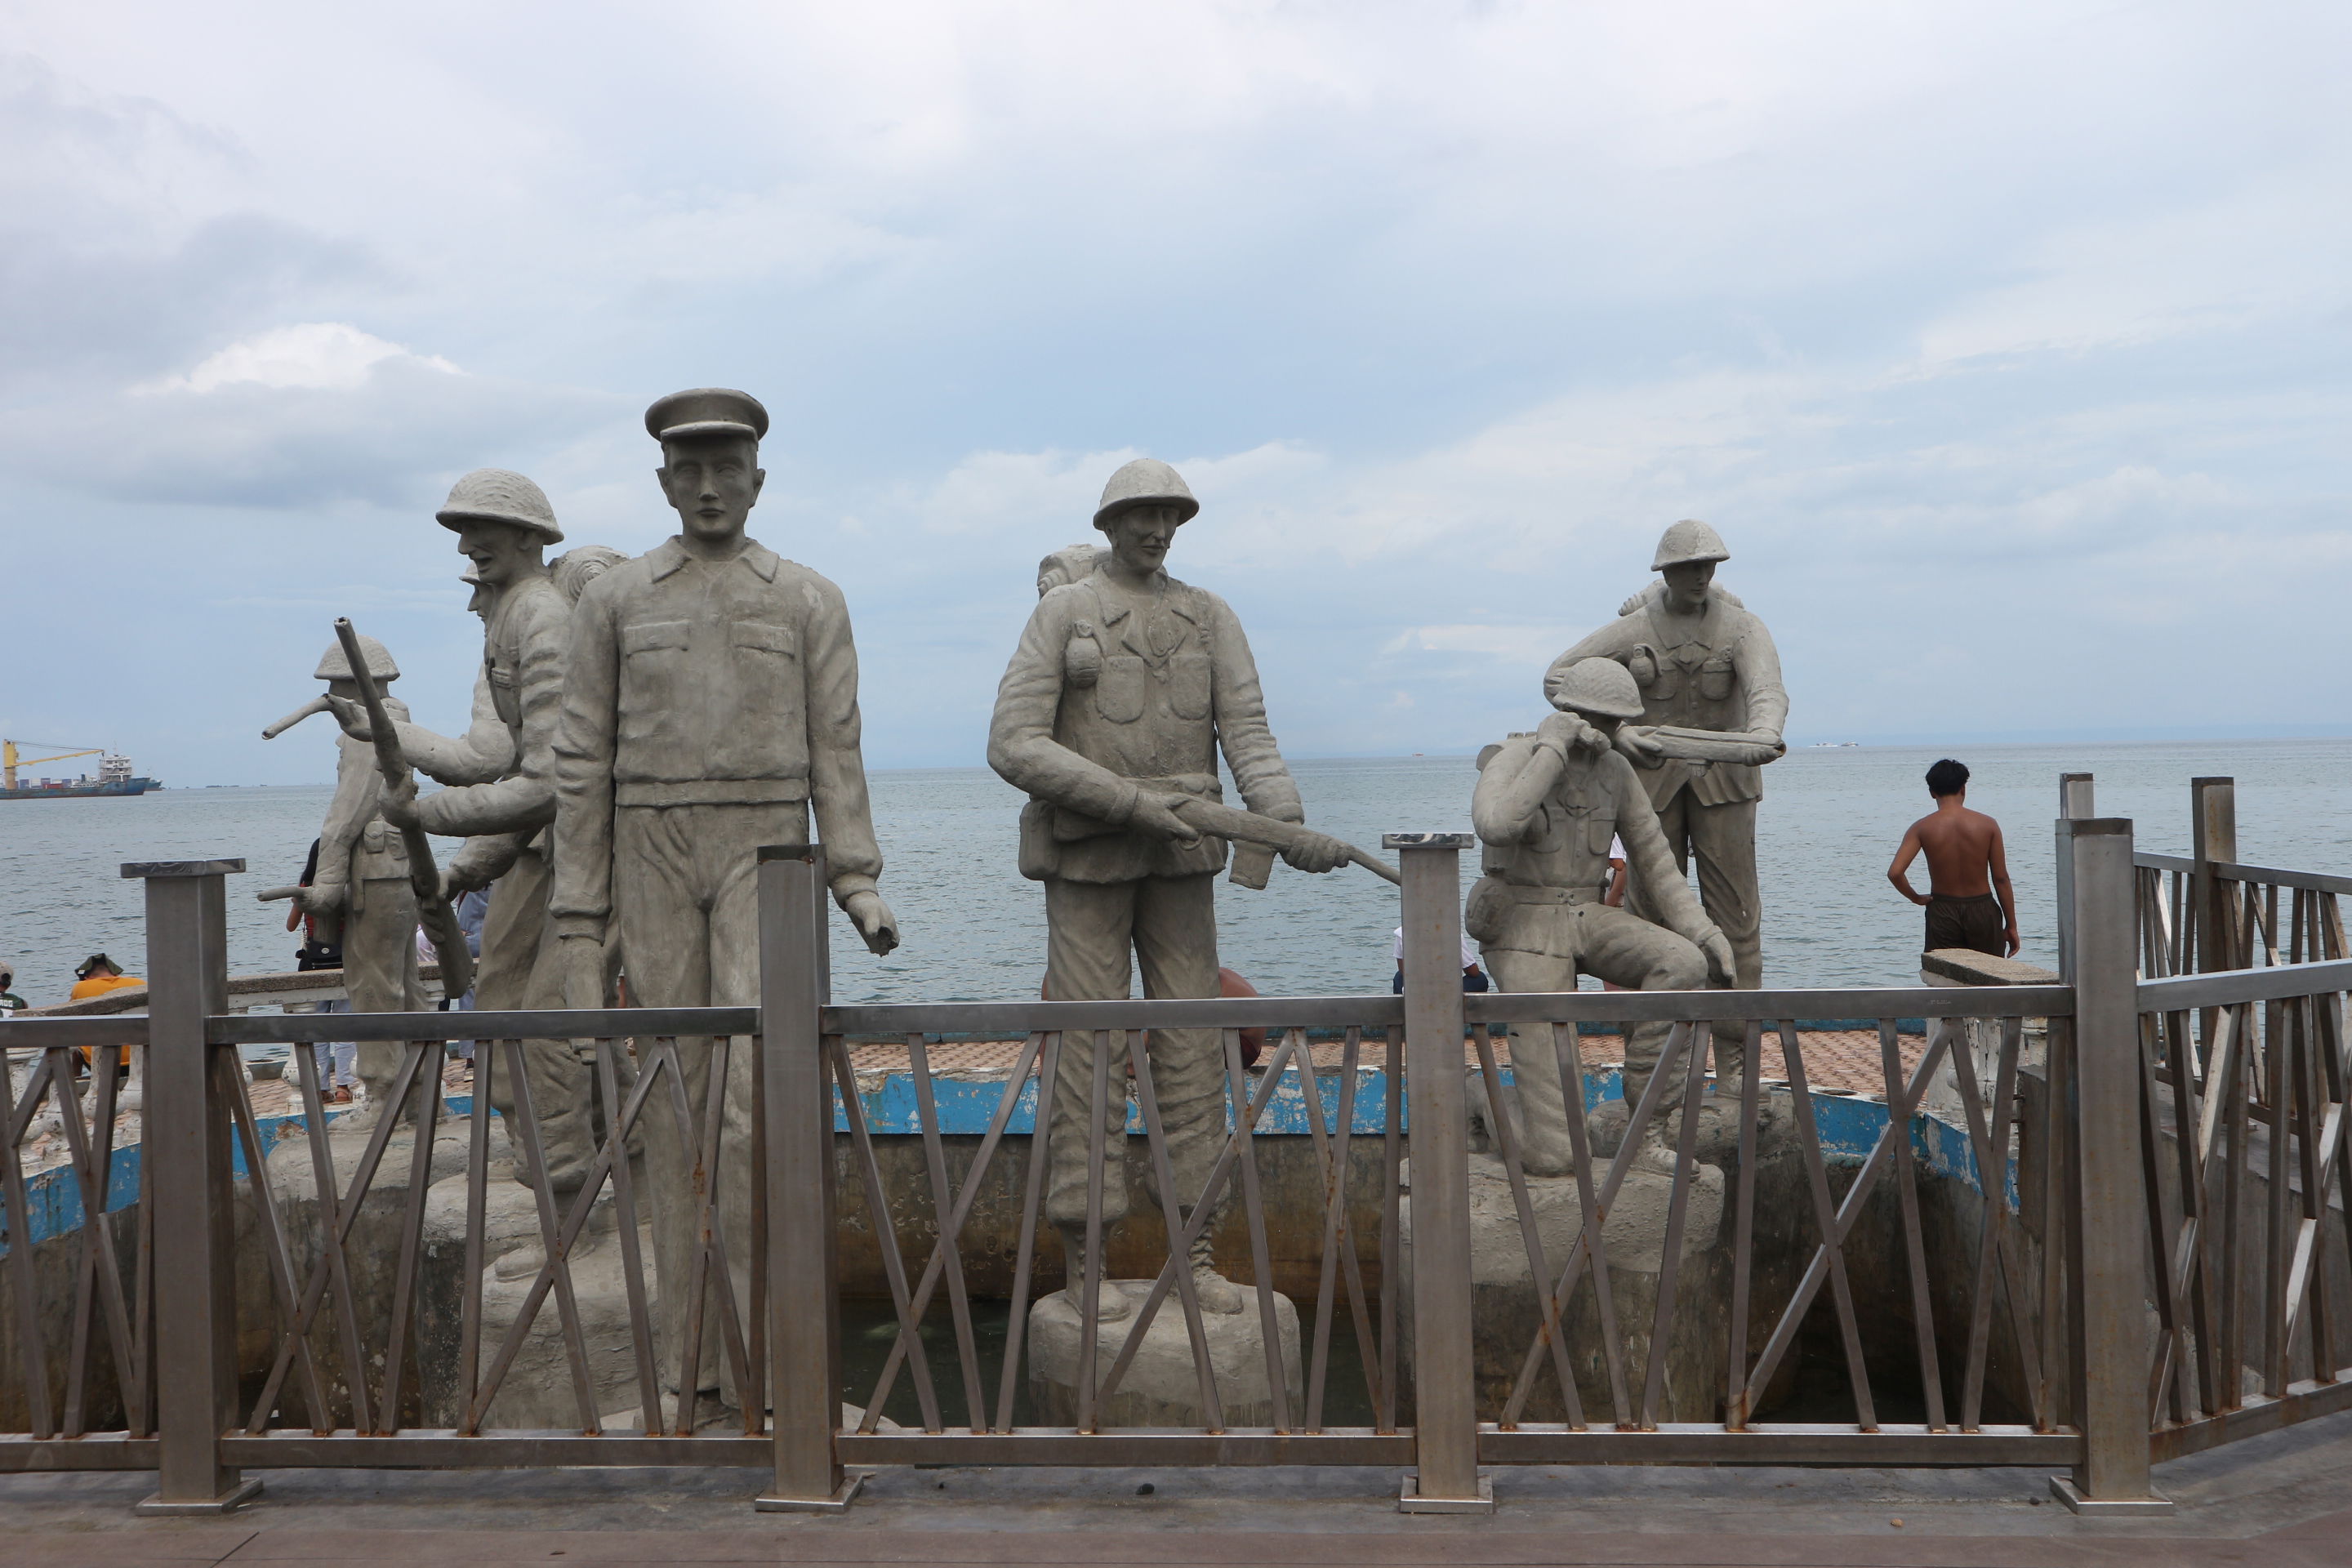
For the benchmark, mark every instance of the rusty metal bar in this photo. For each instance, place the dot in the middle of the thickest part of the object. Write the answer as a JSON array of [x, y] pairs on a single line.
[[804, 1304], [187, 1144], [1445, 1432]]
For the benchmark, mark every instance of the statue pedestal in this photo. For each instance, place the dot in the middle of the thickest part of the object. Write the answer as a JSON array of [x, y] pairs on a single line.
[[537, 1392], [1507, 1309], [1162, 1387]]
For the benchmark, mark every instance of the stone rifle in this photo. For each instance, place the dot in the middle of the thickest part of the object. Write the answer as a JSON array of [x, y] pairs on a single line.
[[1713, 745], [433, 910], [1249, 827]]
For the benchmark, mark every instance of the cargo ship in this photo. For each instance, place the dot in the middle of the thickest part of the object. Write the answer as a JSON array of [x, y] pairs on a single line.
[[114, 774]]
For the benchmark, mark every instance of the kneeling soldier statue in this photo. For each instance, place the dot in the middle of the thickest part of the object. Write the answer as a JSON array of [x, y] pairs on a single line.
[[1546, 807]]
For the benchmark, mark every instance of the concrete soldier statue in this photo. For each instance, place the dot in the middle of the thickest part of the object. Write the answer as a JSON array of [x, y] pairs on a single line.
[[363, 880], [711, 705], [501, 798], [1712, 711], [1125, 687], [1546, 807]]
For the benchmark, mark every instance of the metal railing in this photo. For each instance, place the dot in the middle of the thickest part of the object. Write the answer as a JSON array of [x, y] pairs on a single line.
[[2014, 1304], [2205, 911]]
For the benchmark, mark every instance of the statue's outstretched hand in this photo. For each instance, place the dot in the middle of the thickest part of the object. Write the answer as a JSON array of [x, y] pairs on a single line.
[[398, 803], [1316, 852], [873, 920], [352, 714], [1641, 747]]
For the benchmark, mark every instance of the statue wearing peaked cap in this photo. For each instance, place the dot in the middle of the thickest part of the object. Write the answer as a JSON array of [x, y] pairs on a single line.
[[710, 710]]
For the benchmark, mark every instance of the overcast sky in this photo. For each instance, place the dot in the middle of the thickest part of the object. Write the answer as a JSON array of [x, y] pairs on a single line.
[[2005, 343]]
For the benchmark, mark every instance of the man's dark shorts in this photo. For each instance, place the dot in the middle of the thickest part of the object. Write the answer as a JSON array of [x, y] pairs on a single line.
[[1974, 923]]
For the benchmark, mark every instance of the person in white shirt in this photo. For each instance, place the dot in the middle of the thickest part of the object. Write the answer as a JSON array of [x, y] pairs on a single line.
[[1473, 977]]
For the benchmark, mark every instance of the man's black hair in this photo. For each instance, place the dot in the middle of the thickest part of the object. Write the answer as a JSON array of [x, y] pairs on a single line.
[[1948, 777]]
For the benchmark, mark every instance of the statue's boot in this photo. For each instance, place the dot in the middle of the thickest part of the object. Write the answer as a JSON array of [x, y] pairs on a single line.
[[1110, 1305], [1217, 1293]]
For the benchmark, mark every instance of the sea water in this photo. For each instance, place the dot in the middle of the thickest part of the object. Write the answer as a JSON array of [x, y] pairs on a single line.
[[973, 928]]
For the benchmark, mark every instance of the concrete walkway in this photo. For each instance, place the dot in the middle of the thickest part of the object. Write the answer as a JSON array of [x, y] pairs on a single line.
[[2283, 1501]]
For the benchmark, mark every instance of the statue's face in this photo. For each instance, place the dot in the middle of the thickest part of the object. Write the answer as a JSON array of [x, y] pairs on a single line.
[[1686, 583], [501, 551], [713, 484], [1141, 535]]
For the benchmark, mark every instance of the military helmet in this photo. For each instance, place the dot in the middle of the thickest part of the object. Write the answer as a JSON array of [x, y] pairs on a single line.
[[333, 665], [499, 495], [575, 569], [1599, 687], [1687, 541], [1144, 480]]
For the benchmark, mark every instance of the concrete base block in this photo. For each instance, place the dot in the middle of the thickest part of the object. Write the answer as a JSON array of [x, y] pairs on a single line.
[[236, 1498], [1410, 1501], [851, 1485], [537, 1392], [1163, 1388], [2063, 1488], [1507, 1311]]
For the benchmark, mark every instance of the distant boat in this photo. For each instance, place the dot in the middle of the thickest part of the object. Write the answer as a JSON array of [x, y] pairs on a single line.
[[114, 777], [1835, 745]]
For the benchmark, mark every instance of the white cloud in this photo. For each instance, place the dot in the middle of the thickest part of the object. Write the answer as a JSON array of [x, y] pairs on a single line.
[[316, 355]]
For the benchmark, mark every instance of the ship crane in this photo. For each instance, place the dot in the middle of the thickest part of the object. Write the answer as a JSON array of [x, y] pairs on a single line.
[[10, 760]]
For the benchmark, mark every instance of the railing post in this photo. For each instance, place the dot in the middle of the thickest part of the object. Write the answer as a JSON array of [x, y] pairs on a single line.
[[2107, 1240], [186, 1146], [2075, 805], [2213, 836], [1446, 1405], [803, 1308]]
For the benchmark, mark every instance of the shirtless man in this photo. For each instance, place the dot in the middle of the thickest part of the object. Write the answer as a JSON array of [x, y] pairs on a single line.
[[1971, 906]]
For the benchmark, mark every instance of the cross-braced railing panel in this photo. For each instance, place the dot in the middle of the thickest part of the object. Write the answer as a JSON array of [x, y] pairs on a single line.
[[2245, 1085], [75, 1296], [1121, 1095], [1950, 1303]]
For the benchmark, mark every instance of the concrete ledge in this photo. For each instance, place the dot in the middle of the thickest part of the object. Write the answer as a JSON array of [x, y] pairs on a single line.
[[1966, 966]]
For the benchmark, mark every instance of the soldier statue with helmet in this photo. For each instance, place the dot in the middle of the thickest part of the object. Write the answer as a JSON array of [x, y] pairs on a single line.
[[362, 882], [501, 795], [1124, 688], [1712, 711], [1547, 808]]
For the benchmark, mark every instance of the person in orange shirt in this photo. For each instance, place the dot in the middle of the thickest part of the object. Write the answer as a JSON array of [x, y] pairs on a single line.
[[98, 975]]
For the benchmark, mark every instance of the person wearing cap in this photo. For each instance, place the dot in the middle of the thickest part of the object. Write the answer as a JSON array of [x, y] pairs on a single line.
[[1703, 661], [1548, 808], [1124, 688], [709, 708], [500, 797], [361, 883], [9, 1001]]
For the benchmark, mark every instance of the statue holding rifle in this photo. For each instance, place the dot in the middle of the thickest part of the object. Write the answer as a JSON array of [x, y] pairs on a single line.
[[1712, 711], [501, 794], [1124, 688], [366, 877]]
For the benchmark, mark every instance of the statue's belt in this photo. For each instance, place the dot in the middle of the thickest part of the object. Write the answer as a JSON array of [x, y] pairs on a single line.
[[1519, 895]]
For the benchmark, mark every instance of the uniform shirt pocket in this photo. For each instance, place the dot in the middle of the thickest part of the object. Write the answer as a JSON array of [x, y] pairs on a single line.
[[1189, 685], [1599, 833], [1718, 678], [655, 636], [1118, 693], [764, 637]]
